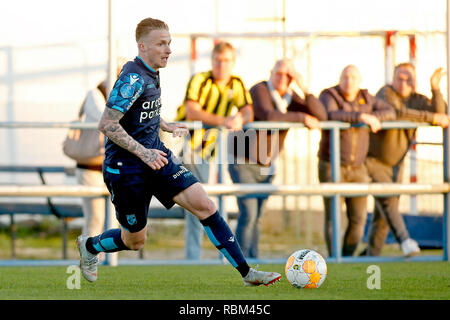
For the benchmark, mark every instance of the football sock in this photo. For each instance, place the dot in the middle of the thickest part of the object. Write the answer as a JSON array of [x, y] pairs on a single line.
[[108, 241], [221, 236]]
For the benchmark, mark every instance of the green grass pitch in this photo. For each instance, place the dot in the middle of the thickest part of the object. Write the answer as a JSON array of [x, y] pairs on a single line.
[[400, 281]]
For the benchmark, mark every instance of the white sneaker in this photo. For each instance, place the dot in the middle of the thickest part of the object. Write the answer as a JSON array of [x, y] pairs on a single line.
[[256, 278], [410, 247], [88, 261]]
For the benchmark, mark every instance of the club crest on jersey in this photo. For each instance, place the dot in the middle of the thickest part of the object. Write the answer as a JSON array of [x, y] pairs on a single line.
[[131, 218], [126, 91]]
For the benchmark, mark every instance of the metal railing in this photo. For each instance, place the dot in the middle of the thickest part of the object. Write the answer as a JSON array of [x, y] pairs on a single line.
[[335, 189]]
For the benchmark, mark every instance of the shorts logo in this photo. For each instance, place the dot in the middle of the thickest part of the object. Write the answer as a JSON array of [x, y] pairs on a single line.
[[179, 173], [131, 218]]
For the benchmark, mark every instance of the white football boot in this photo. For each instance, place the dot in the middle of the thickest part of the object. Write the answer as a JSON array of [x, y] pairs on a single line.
[[256, 278], [88, 261], [410, 247]]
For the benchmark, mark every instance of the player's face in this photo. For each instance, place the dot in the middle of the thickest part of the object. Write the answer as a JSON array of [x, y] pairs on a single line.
[[350, 81], [222, 65], [281, 79], [403, 81], [155, 48]]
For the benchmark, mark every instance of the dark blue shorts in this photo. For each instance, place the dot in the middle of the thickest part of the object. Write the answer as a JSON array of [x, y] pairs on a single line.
[[132, 190]]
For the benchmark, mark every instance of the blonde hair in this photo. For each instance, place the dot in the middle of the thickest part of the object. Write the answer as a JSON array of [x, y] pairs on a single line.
[[222, 47], [147, 25]]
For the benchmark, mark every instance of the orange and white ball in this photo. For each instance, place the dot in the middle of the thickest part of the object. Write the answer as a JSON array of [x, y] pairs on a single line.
[[306, 269]]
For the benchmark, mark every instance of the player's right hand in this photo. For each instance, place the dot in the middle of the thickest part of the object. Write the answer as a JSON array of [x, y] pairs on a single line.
[[154, 158]]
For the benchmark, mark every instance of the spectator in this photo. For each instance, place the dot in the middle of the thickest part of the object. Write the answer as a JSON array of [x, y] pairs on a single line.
[[388, 148], [278, 99], [91, 175], [211, 97], [347, 102]]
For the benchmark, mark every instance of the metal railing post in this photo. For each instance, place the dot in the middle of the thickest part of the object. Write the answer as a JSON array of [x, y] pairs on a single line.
[[445, 217], [335, 159], [111, 259], [221, 158], [221, 162], [107, 213], [65, 229]]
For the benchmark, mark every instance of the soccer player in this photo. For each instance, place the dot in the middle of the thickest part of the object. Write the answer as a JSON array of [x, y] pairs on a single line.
[[137, 165], [216, 98]]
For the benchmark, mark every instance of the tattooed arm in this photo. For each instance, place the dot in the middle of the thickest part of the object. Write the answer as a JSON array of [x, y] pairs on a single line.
[[109, 125]]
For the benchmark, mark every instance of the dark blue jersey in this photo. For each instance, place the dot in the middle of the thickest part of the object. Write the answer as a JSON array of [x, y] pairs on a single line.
[[137, 94]]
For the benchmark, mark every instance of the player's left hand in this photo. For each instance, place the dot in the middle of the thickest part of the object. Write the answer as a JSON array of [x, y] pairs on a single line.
[[177, 129], [180, 132]]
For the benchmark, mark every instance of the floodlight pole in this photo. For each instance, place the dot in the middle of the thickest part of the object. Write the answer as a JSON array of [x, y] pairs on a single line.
[[111, 259], [389, 55], [335, 160], [284, 29], [112, 55]]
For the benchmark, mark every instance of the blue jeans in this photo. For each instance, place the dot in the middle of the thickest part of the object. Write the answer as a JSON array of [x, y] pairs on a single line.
[[251, 207]]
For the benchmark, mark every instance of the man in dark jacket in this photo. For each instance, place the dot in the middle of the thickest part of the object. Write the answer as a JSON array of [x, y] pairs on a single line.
[[388, 148], [282, 98], [347, 102]]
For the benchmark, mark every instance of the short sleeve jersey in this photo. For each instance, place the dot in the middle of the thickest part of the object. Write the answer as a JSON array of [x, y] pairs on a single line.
[[137, 94]]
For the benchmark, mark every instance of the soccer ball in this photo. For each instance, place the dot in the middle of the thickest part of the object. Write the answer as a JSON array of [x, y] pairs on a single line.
[[306, 269]]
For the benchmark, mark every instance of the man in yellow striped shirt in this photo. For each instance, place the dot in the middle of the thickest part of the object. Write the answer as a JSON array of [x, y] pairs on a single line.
[[216, 98]]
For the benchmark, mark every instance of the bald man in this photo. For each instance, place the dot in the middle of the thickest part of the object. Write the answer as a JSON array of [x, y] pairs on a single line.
[[283, 97], [347, 102]]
